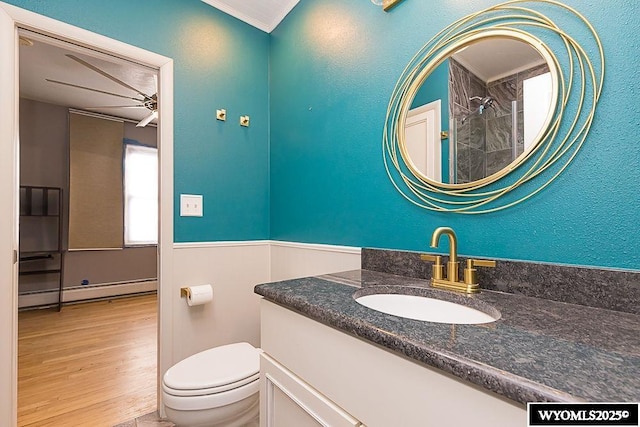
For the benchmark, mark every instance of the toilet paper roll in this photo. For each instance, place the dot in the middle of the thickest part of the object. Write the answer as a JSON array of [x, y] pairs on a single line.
[[198, 295]]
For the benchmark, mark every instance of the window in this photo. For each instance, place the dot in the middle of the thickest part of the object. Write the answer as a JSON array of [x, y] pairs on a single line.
[[140, 195]]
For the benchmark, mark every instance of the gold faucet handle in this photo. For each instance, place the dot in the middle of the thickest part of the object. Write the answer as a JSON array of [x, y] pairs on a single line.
[[433, 258], [481, 262], [470, 273], [437, 271]]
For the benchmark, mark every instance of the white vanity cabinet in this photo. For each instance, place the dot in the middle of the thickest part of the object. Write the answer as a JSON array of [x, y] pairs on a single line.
[[310, 371], [287, 401]]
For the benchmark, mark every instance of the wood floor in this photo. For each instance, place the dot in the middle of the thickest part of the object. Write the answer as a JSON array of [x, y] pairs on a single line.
[[91, 364]]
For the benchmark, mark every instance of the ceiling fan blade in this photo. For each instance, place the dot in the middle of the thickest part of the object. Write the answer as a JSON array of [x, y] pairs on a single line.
[[107, 75], [147, 119], [94, 90], [114, 106]]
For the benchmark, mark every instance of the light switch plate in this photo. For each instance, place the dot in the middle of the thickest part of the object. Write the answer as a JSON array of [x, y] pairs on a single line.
[[190, 205]]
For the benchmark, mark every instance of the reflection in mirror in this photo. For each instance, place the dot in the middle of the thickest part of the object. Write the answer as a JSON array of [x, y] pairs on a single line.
[[494, 96]]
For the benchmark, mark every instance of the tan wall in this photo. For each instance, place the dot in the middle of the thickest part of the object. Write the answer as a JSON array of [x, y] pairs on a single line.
[[44, 137]]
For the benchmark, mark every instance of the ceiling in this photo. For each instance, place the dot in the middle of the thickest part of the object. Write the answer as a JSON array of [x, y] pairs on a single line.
[[494, 58], [43, 58], [262, 14]]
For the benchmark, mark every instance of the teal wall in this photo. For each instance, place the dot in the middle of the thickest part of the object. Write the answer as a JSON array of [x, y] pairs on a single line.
[[334, 64], [219, 62], [310, 168]]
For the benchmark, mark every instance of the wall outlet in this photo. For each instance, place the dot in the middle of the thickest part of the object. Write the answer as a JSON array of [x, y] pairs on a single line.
[[190, 205]]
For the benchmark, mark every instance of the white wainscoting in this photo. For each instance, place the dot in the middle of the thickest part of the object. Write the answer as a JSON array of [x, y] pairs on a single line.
[[292, 260], [233, 269]]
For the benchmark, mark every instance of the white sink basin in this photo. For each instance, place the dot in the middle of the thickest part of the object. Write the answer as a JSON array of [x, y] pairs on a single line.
[[427, 309]]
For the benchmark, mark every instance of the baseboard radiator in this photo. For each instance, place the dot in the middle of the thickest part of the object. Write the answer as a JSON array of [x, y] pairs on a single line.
[[87, 293]]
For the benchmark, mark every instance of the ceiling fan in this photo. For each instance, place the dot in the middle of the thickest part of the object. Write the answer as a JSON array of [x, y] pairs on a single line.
[[150, 102]]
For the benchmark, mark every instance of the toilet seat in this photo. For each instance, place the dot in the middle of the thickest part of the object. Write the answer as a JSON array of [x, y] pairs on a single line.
[[210, 390], [209, 401], [213, 378]]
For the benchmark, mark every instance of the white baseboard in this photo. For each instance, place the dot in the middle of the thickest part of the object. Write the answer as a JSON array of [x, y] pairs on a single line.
[[82, 293]]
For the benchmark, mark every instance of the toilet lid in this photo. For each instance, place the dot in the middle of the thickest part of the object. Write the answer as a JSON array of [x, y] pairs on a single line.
[[216, 367]]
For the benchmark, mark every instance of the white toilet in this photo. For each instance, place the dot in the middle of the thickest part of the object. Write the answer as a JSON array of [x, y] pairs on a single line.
[[216, 387]]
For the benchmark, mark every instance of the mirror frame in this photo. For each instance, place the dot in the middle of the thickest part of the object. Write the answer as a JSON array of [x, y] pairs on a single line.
[[438, 59], [579, 85]]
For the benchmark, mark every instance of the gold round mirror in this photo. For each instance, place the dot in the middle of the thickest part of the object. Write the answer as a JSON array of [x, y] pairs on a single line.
[[486, 106], [479, 108]]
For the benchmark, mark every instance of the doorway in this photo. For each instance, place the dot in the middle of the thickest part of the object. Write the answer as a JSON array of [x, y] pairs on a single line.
[[99, 357], [11, 20]]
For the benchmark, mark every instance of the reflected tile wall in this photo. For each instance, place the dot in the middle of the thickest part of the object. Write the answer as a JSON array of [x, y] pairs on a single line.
[[477, 164], [498, 133], [470, 135], [462, 162], [503, 91], [497, 160], [477, 133], [458, 85], [485, 140]]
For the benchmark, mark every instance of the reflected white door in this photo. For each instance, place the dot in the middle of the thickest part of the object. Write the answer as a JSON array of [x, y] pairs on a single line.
[[422, 137]]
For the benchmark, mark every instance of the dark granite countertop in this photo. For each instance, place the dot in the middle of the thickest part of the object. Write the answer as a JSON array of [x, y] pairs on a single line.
[[539, 350]]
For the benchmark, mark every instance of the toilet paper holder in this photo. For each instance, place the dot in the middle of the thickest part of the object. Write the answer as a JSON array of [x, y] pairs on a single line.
[[197, 295]]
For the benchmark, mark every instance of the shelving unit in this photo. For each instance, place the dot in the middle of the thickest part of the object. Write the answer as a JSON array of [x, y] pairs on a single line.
[[41, 248]]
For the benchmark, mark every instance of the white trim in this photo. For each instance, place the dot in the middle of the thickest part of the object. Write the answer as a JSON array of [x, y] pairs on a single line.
[[11, 18], [318, 247], [222, 244], [284, 12], [239, 15], [267, 27], [9, 162], [297, 245]]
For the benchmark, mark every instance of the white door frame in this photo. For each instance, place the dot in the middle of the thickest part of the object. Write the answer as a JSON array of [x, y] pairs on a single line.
[[12, 18]]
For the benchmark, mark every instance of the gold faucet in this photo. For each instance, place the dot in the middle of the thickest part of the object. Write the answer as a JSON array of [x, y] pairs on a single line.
[[452, 264], [451, 280]]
